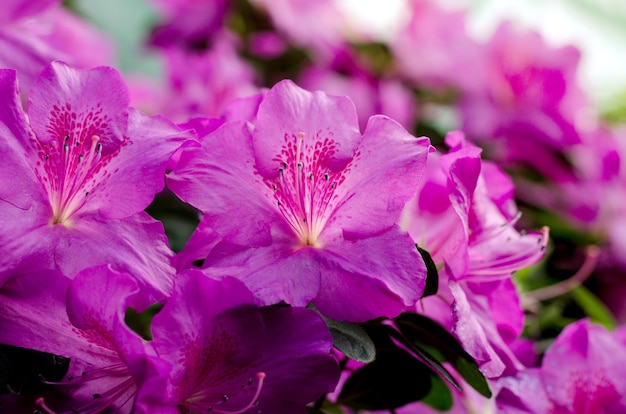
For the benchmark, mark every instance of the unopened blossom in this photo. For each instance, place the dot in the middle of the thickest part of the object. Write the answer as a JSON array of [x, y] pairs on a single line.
[[464, 215], [81, 319], [78, 169], [228, 356], [583, 371], [305, 207]]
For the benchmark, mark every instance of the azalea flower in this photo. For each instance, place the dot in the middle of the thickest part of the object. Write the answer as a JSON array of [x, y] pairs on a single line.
[[228, 356], [77, 172], [583, 371], [527, 107], [464, 216], [48, 312], [306, 207]]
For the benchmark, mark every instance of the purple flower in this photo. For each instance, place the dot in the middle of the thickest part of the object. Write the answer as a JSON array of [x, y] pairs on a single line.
[[464, 216], [582, 372], [75, 179], [48, 312], [527, 105], [306, 207], [227, 356]]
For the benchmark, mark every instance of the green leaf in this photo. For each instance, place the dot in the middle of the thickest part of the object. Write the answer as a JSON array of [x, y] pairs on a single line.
[[593, 307], [424, 355], [394, 379], [140, 322], [431, 338], [439, 397], [351, 340], [432, 275]]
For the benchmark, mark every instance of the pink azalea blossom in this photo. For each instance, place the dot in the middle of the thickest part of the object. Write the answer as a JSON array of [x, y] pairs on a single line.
[[527, 106], [464, 216], [227, 356], [583, 371], [77, 172], [305, 206], [48, 312]]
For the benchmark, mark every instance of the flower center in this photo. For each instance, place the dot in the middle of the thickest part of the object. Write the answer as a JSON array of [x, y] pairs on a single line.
[[120, 394], [197, 402], [305, 186], [69, 165]]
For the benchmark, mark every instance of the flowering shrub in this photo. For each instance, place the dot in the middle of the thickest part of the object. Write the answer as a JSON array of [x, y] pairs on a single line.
[[283, 223]]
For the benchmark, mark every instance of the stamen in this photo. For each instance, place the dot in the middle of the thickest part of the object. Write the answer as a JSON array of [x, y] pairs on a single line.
[[100, 401], [41, 403], [532, 298], [74, 173], [198, 407]]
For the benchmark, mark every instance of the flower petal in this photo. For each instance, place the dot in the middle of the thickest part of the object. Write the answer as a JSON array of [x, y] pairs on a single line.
[[384, 174], [364, 279], [22, 199], [136, 244], [219, 179], [131, 179], [288, 110], [81, 103]]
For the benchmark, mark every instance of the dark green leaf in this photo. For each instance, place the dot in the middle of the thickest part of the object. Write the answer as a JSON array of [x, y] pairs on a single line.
[[428, 336], [140, 322], [21, 370], [395, 378], [351, 340], [424, 355], [593, 307], [432, 275], [439, 397]]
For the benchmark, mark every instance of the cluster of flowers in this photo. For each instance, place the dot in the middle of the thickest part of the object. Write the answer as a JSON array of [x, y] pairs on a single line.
[[331, 247]]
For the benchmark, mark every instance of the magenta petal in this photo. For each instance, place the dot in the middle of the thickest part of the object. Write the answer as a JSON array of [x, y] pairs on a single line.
[[297, 363], [523, 394], [104, 313], [585, 368], [274, 273], [226, 354], [22, 199], [324, 120], [220, 180], [32, 314], [13, 10], [65, 101], [198, 247], [386, 272], [128, 183], [136, 244], [204, 313], [382, 177]]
